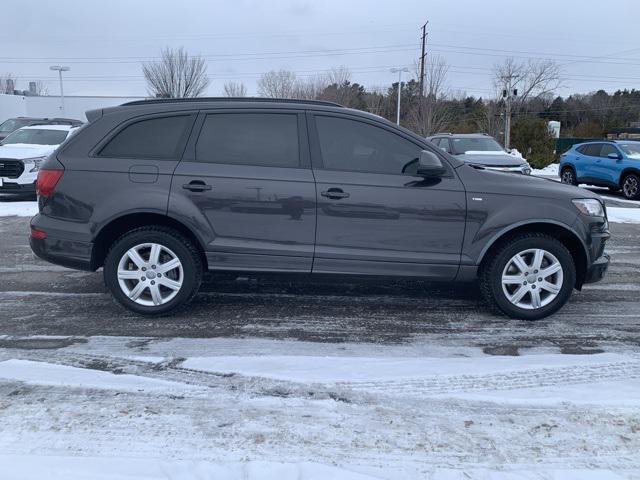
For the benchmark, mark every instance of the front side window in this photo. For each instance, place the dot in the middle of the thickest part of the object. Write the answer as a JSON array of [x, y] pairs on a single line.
[[592, 149], [261, 139], [607, 149], [152, 138], [33, 136], [361, 147]]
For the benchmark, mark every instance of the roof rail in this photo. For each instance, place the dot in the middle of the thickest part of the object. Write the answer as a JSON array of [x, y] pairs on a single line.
[[152, 101], [443, 133]]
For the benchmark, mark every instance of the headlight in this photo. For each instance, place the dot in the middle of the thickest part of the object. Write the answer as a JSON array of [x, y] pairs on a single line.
[[37, 161], [589, 206]]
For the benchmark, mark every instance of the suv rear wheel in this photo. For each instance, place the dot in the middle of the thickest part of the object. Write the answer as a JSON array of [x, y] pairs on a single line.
[[631, 186], [153, 270], [529, 276], [568, 176]]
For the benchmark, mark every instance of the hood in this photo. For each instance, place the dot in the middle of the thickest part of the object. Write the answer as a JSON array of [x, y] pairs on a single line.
[[19, 151], [492, 159], [488, 181]]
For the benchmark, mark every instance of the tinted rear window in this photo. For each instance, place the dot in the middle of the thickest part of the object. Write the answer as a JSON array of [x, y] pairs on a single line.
[[152, 138], [262, 139]]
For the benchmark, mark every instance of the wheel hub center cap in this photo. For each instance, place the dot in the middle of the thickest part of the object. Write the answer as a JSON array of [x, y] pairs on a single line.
[[151, 275], [531, 278]]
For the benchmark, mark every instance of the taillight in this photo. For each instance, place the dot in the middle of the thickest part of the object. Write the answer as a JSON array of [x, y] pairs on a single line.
[[37, 233], [47, 181]]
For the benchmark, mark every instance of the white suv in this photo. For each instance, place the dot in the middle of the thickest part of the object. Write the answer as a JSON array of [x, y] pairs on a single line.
[[21, 154]]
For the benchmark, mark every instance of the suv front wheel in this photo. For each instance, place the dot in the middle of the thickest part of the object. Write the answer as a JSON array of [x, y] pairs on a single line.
[[631, 186], [529, 276], [153, 270]]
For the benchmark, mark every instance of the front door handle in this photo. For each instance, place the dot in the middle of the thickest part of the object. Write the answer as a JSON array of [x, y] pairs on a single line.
[[196, 186], [335, 193]]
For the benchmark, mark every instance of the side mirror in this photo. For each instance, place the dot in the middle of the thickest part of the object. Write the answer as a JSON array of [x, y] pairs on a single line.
[[430, 165], [614, 156]]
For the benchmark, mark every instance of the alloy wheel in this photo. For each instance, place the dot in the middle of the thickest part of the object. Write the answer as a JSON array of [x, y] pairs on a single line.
[[532, 279], [630, 186], [567, 177], [150, 274]]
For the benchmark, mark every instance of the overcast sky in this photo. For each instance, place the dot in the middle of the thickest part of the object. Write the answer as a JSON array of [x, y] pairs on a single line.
[[104, 42]]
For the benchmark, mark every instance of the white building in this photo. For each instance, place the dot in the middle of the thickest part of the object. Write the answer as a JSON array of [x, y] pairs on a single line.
[[49, 106]]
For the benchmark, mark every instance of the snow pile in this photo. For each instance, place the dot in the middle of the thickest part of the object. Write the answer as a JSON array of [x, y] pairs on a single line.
[[548, 171], [19, 209]]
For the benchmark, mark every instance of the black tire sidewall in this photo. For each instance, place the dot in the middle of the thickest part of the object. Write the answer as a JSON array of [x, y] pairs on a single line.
[[177, 244], [504, 255]]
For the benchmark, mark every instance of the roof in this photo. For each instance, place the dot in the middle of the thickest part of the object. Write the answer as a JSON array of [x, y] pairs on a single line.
[[66, 128], [152, 101]]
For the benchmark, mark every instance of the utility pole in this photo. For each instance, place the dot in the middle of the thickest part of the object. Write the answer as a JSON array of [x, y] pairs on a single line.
[[422, 57], [508, 93]]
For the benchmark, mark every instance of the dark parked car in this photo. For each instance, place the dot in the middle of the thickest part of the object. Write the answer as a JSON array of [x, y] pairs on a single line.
[[13, 124], [158, 191], [614, 164], [481, 150]]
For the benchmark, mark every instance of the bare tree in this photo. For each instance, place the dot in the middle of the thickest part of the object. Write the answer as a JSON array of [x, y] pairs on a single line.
[[432, 114], [41, 88], [277, 84], [310, 88], [176, 75], [235, 89], [532, 79], [7, 83]]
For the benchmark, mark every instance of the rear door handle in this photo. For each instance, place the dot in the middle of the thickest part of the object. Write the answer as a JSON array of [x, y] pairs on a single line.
[[196, 186], [335, 193]]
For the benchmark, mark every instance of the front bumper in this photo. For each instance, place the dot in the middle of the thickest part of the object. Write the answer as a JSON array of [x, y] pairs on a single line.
[[597, 270], [15, 189]]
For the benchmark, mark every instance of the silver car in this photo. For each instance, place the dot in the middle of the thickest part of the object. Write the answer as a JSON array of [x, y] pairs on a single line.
[[482, 150]]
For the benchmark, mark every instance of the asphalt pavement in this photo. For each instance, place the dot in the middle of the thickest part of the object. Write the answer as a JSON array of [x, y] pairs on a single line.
[[37, 298]]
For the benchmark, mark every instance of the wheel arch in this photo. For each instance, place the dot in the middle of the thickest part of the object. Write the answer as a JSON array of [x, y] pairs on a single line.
[[566, 235], [116, 227], [626, 172]]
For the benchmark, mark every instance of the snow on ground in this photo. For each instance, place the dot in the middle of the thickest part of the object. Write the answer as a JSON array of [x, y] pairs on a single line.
[[20, 209], [623, 215], [548, 171], [129, 408], [41, 373]]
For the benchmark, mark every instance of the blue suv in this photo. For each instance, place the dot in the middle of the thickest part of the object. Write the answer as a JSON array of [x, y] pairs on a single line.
[[614, 164]]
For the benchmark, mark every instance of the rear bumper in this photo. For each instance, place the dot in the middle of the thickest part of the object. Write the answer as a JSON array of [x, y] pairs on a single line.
[[597, 270], [59, 248]]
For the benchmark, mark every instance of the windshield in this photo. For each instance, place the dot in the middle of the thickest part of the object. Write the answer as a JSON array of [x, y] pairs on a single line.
[[631, 150], [473, 144], [12, 124], [36, 136]]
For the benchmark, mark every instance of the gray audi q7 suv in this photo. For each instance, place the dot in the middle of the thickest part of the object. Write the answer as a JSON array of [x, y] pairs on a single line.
[[157, 192]]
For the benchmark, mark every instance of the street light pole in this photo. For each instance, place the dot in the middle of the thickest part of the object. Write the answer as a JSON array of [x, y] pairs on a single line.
[[399, 72], [60, 69]]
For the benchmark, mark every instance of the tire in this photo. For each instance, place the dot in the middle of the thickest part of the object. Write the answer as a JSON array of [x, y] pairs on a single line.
[[631, 186], [501, 261], [144, 287], [568, 176]]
